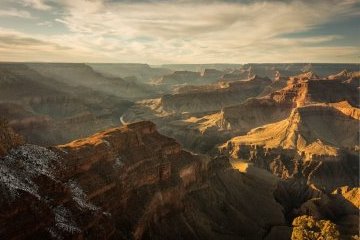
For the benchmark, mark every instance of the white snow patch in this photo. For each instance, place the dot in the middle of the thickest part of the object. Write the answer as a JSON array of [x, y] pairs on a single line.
[[118, 163], [12, 182], [22, 165], [80, 197], [64, 220]]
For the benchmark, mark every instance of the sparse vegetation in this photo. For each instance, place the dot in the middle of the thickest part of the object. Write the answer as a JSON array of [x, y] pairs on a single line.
[[309, 228]]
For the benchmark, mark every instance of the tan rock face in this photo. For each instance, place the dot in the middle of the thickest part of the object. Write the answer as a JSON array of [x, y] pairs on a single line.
[[312, 130], [303, 92], [318, 138]]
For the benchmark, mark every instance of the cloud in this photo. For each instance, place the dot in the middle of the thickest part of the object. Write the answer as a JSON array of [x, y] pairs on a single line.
[[17, 46], [37, 4], [12, 12], [15, 40], [160, 31], [45, 23]]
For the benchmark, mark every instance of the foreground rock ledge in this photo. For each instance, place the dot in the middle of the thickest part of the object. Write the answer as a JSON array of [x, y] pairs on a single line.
[[130, 183]]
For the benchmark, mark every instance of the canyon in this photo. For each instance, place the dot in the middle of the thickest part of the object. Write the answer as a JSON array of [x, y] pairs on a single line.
[[213, 151], [130, 182]]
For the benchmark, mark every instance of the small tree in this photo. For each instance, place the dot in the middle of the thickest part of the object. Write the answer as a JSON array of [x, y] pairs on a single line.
[[308, 228]]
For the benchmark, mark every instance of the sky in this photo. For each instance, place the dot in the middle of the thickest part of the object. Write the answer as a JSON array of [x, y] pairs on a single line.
[[180, 31]]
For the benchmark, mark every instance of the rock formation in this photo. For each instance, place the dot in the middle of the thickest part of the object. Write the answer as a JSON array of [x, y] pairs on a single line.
[[314, 152], [319, 137], [226, 94], [313, 130], [130, 183]]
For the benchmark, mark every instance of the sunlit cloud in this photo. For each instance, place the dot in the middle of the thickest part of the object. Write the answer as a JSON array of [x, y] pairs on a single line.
[[197, 31], [12, 39]]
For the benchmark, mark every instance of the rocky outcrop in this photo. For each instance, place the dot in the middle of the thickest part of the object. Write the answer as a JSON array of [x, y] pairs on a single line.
[[181, 115], [314, 152], [307, 227], [129, 183], [203, 133], [255, 112], [344, 76], [187, 122], [316, 91], [338, 209], [319, 138]]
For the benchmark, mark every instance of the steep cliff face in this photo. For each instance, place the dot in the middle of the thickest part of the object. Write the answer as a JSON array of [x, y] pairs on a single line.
[[314, 152], [339, 208], [277, 105], [344, 75], [317, 129], [226, 94], [319, 138], [190, 115], [254, 112], [302, 92], [197, 100], [129, 183]]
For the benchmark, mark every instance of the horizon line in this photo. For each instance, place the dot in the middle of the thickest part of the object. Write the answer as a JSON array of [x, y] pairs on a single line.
[[161, 64]]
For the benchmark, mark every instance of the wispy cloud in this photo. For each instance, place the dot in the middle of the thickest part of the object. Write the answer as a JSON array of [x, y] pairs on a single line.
[[17, 46], [191, 31], [13, 39], [45, 23], [12, 12], [37, 4]]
